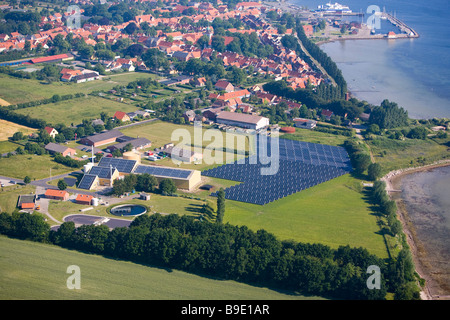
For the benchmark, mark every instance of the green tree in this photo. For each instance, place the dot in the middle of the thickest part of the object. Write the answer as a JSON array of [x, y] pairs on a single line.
[[374, 171], [220, 205], [26, 180], [361, 162], [167, 186], [62, 185]]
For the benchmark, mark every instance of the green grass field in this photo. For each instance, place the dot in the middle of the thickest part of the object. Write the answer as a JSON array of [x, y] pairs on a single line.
[[15, 90], [399, 154], [34, 166], [75, 110], [40, 272], [333, 213]]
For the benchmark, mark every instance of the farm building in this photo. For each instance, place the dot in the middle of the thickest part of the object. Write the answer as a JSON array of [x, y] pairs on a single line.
[[26, 201], [84, 199], [136, 143], [57, 194], [243, 120], [54, 58], [57, 148], [102, 138]]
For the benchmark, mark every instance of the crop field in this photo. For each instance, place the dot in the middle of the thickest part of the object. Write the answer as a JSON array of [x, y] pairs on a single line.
[[14, 90], [7, 129], [75, 110], [40, 272]]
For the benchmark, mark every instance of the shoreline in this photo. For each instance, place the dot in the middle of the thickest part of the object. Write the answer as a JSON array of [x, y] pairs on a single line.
[[392, 179]]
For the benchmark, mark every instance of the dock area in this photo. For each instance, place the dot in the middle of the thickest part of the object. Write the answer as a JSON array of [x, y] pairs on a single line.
[[404, 28]]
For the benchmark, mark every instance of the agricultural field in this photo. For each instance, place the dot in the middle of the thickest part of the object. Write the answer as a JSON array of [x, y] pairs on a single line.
[[14, 90], [39, 272], [35, 166], [75, 110], [7, 129]]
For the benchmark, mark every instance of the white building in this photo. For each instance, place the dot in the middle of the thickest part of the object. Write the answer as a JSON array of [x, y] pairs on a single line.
[[243, 120]]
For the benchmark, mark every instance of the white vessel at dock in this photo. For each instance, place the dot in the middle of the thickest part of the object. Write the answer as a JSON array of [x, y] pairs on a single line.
[[333, 8]]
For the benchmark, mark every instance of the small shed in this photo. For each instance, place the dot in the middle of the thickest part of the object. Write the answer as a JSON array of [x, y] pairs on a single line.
[[144, 196]]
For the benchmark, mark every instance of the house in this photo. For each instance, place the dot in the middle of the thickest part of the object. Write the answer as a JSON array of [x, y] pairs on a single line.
[[309, 31], [89, 76], [189, 115], [54, 148], [224, 85], [102, 138], [305, 123], [200, 82], [327, 114], [84, 199], [122, 116], [243, 120], [55, 194], [51, 131]]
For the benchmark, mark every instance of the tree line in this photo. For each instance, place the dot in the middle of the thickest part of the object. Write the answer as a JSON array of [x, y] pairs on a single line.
[[215, 249]]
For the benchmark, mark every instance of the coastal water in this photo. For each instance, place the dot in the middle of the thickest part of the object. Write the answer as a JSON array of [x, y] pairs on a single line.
[[426, 196], [415, 73]]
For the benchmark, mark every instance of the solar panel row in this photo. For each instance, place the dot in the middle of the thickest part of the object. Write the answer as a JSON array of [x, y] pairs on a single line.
[[86, 181], [166, 172], [301, 165], [123, 165]]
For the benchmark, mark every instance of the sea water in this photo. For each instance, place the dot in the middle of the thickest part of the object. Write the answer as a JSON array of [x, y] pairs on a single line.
[[426, 196], [414, 72]]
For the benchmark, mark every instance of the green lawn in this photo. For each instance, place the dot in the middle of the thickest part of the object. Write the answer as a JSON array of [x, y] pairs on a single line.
[[333, 213], [7, 146], [161, 133], [34, 166], [75, 110], [40, 272], [15, 90], [316, 137]]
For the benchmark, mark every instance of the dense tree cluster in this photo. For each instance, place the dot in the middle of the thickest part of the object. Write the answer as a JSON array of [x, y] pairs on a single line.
[[389, 115], [314, 98], [216, 249]]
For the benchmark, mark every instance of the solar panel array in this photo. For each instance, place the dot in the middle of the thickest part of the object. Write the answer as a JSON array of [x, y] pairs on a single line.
[[102, 172], [301, 165], [123, 165], [86, 181], [163, 171]]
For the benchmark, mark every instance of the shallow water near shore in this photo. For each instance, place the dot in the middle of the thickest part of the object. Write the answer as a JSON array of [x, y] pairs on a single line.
[[426, 197]]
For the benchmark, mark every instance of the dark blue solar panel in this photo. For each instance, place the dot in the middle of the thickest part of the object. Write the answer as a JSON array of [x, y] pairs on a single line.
[[123, 165], [86, 181], [161, 171], [301, 166]]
